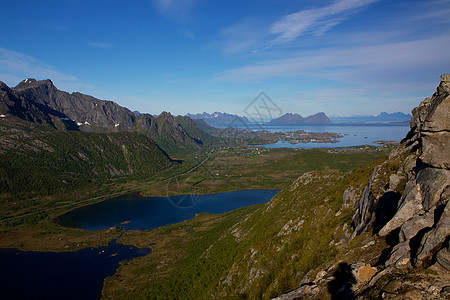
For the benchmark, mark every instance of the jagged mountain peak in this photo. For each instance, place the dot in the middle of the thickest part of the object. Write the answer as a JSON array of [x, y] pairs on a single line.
[[294, 119], [33, 83], [3, 85], [219, 118], [166, 116]]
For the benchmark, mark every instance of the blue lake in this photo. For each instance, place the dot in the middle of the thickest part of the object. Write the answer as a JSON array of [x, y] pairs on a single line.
[[134, 212], [353, 134], [61, 275]]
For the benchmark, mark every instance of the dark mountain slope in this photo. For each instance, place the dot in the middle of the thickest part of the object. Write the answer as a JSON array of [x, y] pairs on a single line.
[[38, 160], [218, 118], [12, 104], [90, 113], [175, 135]]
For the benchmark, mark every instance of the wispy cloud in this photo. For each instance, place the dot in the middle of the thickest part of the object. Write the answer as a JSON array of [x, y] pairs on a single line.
[[316, 20], [16, 66], [385, 63], [101, 45], [175, 8], [244, 35]]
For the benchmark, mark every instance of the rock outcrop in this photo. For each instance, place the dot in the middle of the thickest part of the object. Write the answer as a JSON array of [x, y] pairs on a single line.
[[416, 215], [406, 205]]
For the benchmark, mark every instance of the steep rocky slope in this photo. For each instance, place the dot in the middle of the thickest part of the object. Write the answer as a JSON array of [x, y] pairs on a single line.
[[12, 104], [405, 206], [90, 113], [41, 102]]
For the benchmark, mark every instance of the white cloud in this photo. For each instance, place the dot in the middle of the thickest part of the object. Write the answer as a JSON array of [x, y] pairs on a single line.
[[245, 35], [316, 20], [16, 66], [175, 8], [387, 64]]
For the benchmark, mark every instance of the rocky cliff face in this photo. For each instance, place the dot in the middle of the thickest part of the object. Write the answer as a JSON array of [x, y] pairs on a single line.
[[12, 104], [411, 208], [90, 113], [405, 204]]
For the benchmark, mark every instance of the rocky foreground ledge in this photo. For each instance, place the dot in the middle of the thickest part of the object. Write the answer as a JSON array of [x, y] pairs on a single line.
[[405, 206]]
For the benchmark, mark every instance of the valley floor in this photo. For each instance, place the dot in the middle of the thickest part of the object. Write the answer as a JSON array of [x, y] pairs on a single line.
[[225, 169]]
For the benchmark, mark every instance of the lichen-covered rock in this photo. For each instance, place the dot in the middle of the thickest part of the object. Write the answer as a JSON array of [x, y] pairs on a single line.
[[435, 239], [410, 228], [350, 198], [363, 273], [410, 204], [432, 183], [433, 123], [435, 149], [400, 256]]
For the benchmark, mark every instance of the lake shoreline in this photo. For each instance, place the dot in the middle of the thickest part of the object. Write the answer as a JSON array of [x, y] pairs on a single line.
[[44, 272], [126, 211]]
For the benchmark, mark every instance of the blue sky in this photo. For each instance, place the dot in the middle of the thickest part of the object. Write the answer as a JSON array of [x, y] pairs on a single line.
[[342, 57]]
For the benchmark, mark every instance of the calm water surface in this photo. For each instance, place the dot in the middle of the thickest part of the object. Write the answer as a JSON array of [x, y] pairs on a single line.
[[61, 275], [353, 134], [134, 212]]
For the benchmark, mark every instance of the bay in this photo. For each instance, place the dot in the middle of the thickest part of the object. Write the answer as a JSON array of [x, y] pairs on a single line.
[[353, 134]]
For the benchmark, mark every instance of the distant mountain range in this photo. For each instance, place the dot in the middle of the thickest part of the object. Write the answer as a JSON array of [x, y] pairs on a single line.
[[383, 117], [296, 119], [218, 118]]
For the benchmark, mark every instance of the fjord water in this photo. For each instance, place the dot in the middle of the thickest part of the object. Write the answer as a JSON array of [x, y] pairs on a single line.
[[353, 134], [132, 211], [61, 275]]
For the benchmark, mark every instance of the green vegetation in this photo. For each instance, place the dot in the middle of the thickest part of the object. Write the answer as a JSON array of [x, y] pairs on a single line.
[[239, 168], [256, 252], [43, 164], [253, 252]]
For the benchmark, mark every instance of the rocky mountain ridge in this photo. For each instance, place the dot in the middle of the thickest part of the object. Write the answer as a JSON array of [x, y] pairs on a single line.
[[41, 102], [90, 113], [218, 118], [296, 119], [12, 104]]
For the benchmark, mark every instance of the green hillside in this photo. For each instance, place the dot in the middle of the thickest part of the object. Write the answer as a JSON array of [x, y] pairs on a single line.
[[256, 252], [36, 160]]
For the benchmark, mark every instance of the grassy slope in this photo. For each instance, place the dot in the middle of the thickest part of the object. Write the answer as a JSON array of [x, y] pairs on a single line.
[[37, 162], [194, 259], [247, 253]]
